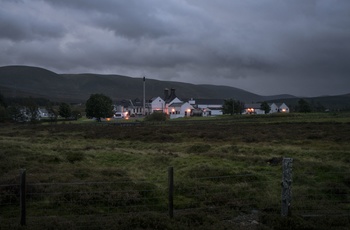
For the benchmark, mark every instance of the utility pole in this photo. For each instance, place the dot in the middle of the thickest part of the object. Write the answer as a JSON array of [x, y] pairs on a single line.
[[144, 96]]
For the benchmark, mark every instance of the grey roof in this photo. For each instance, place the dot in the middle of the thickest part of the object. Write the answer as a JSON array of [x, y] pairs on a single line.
[[213, 108], [279, 104], [254, 106], [125, 103], [176, 104], [43, 110], [130, 103], [209, 101]]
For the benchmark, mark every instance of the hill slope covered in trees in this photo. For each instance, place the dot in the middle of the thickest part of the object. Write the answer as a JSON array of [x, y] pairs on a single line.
[[25, 80]]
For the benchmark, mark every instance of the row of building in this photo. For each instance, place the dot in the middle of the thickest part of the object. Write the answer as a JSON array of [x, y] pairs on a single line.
[[176, 108], [169, 104]]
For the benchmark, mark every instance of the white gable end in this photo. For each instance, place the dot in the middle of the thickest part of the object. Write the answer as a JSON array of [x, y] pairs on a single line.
[[157, 104]]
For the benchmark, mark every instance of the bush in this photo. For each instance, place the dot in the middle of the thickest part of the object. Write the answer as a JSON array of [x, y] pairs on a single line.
[[73, 157], [156, 117], [3, 114], [198, 148], [76, 114]]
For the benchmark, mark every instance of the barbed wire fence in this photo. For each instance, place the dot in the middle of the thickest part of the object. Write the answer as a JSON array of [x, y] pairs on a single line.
[[223, 196]]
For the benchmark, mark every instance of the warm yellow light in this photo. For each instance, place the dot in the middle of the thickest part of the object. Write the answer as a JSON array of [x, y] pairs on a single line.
[[188, 110], [250, 110], [173, 110], [108, 119], [283, 110]]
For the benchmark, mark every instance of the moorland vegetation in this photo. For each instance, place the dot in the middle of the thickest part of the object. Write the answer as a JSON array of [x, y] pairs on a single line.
[[227, 173]]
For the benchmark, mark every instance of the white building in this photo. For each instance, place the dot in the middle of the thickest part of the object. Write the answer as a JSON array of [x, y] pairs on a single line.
[[282, 108], [180, 109], [278, 108], [157, 105], [273, 108], [209, 107], [254, 108]]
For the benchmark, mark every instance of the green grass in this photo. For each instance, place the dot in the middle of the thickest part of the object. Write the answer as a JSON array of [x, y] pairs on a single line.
[[224, 167]]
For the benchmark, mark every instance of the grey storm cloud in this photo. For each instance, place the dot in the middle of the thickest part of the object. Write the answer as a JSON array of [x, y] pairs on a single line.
[[267, 47], [15, 25]]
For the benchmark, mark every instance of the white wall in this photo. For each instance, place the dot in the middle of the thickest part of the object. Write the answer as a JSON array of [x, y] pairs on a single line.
[[185, 107], [216, 112], [158, 104], [284, 108], [256, 111], [273, 108]]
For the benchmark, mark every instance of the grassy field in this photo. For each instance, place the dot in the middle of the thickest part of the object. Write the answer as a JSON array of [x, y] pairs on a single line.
[[227, 173]]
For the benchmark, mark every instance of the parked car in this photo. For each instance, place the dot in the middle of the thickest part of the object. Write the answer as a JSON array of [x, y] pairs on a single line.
[[120, 115]]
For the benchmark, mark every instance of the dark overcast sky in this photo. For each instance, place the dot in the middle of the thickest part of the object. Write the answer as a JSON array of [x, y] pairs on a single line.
[[299, 47]]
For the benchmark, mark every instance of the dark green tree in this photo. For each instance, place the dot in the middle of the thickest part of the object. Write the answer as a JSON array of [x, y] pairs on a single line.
[[52, 113], [304, 106], [76, 114], [228, 106], [3, 111], [231, 107], [16, 113], [2, 101], [3, 114], [319, 107], [99, 106], [65, 110], [31, 110], [265, 106]]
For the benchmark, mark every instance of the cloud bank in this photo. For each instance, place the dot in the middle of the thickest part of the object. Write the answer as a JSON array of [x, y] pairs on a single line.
[[266, 47]]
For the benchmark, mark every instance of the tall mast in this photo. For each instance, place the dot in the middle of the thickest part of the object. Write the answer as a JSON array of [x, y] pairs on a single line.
[[144, 96]]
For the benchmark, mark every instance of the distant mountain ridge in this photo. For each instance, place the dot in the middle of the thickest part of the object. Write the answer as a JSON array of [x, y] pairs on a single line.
[[18, 81], [24, 81]]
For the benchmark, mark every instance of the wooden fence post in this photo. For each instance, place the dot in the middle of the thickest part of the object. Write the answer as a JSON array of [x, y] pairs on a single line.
[[286, 186], [171, 191], [22, 196]]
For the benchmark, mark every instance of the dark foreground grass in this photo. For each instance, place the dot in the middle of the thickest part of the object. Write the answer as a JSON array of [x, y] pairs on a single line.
[[227, 173]]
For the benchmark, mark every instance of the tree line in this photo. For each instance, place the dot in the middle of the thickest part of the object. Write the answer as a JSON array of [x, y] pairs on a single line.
[[232, 106], [98, 106], [27, 109]]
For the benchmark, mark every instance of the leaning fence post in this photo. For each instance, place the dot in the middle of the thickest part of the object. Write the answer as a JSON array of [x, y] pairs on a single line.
[[22, 196], [286, 186], [171, 191]]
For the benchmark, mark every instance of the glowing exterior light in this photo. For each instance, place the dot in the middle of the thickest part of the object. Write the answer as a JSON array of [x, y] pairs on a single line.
[[250, 110]]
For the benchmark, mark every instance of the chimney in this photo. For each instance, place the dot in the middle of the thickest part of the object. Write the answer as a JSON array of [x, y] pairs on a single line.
[[166, 94]]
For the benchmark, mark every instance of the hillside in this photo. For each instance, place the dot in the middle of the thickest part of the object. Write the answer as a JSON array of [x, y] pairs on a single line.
[[25, 81], [334, 103], [16, 81]]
